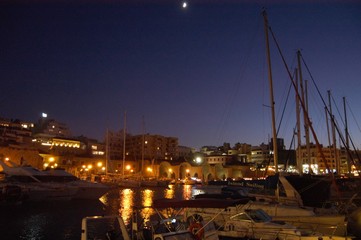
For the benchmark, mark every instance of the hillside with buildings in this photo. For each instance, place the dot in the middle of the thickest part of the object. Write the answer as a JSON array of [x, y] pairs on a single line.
[[50, 144]]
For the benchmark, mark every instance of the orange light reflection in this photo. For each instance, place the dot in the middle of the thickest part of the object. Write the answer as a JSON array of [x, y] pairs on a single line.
[[126, 204], [147, 202], [169, 192], [187, 192]]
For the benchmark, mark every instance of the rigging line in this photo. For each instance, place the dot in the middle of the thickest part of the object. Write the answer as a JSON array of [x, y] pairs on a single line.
[[284, 108], [337, 110], [349, 135], [302, 103], [332, 118], [244, 62], [353, 116], [343, 122]]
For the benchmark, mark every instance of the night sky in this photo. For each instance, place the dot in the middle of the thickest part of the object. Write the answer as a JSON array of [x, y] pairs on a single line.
[[199, 73]]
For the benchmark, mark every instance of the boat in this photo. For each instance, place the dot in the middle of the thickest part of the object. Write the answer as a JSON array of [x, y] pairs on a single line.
[[296, 216], [220, 210], [51, 184], [257, 224], [173, 226], [242, 223], [272, 189], [177, 228]]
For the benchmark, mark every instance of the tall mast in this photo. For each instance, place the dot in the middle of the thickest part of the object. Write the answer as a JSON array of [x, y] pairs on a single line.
[[143, 142], [274, 132], [333, 133], [298, 119], [106, 151], [347, 138], [305, 118], [328, 133], [124, 135]]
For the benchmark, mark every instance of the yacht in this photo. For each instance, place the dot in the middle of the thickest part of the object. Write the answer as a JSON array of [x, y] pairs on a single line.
[[50, 184]]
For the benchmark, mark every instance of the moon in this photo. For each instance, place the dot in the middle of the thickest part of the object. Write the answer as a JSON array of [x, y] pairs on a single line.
[[184, 4]]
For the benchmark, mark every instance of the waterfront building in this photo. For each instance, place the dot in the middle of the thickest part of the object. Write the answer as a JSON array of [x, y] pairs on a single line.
[[335, 160], [22, 155], [52, 127], [152, 147], [185, 152], [15, 131], [209, 150], [218, 159], [261, 155], [114, 141]]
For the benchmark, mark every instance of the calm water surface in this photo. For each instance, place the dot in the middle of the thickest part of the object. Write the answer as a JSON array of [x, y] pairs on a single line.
[[62, 219]]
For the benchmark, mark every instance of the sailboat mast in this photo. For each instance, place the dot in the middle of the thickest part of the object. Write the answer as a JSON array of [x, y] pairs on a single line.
[[143, 142], [305, 118], [298, 119], [333, 132], [347, 138], [274, 132], [106, 152], [124, 135]]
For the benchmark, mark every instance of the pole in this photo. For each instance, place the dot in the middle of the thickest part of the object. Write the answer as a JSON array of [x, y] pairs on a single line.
[[274, 132]]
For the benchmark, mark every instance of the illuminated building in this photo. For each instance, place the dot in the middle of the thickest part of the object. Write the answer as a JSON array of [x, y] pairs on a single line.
[[155, 147], [15, 131]]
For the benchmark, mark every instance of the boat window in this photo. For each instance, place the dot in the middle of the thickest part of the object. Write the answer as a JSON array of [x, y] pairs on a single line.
[[259, 215]]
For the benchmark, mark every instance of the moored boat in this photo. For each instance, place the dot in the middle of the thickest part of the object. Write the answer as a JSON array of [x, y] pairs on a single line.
[[54, 184]]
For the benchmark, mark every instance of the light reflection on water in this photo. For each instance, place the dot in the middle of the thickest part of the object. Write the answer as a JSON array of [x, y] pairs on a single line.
[[62, 219], [142, 199], [126, 203]]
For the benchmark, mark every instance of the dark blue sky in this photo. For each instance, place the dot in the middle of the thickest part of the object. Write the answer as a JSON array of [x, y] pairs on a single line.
[[198, 74]]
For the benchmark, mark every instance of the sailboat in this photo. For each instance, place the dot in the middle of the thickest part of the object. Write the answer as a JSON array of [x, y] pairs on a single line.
[[290, 214]]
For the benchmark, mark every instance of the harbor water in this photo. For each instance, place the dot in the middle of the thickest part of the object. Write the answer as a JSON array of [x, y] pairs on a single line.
[[58, 220]]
